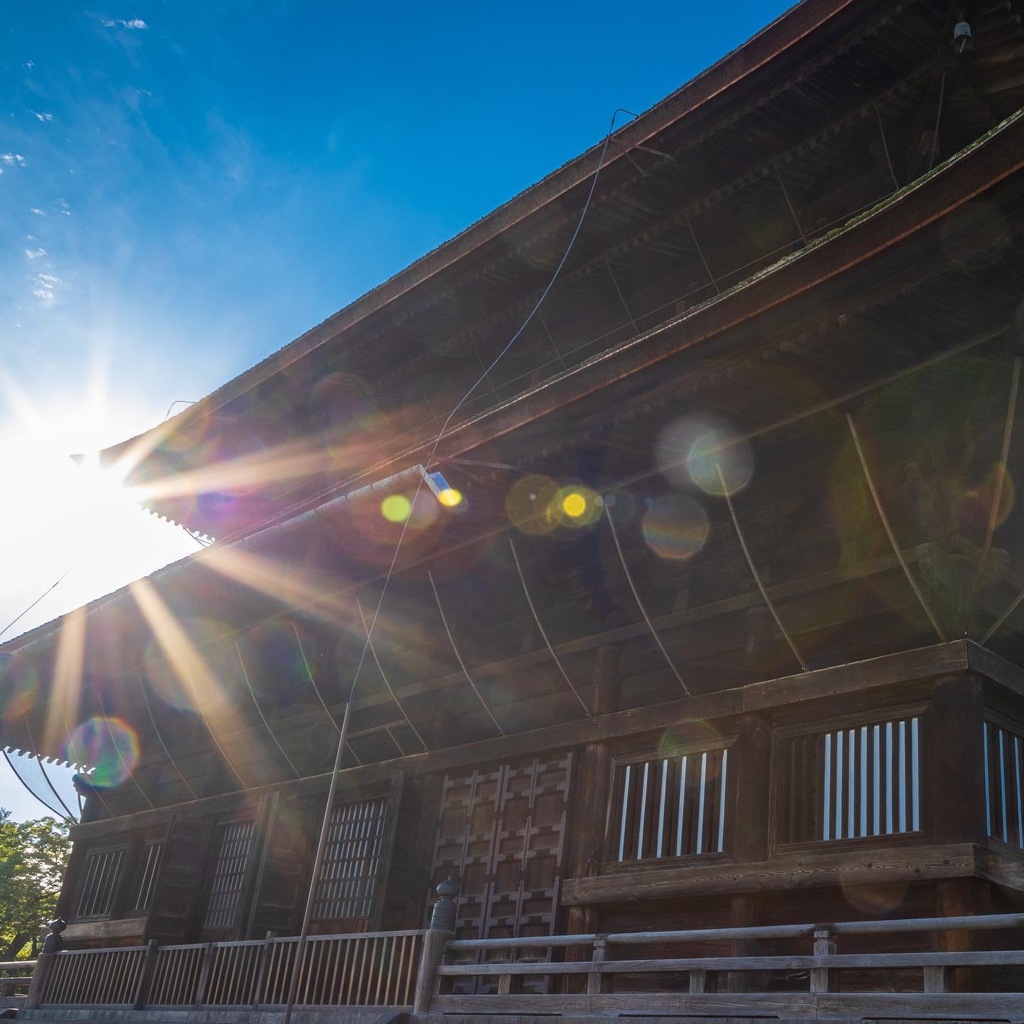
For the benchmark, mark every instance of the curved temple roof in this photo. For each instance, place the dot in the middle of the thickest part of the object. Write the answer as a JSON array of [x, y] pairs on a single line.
[[822, 114], [768, 262]]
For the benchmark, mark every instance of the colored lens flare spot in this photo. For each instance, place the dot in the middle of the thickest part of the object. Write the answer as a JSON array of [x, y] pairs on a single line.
[[577, 505], [531, 504], [107, 747], [704, 452], [675, 527], [395, 508]]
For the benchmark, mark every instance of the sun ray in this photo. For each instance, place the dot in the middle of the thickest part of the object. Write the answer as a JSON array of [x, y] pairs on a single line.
[[191, 670], [291, 461], [281, 581], [66, 698]]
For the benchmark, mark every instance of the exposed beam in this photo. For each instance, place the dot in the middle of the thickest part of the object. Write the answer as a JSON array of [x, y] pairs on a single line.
[[872, 674]]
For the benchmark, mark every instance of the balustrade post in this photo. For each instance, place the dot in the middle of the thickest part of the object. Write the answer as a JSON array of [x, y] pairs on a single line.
[[703, 981], [441, 930], [40, 979], [204, 974], [824, 979], [145, 976], [598, 982], [938, 979], [261, 973], [45, 962]]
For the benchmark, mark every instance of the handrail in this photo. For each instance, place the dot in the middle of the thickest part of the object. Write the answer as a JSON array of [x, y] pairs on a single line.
[[987, 922], [377, 969], [478, 978], [16, 965]]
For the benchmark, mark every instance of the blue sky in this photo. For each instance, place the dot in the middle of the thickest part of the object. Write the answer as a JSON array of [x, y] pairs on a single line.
[[187, 185]]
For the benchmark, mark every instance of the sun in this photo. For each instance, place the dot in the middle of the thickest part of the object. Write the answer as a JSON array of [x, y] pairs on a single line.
[[69, 523]]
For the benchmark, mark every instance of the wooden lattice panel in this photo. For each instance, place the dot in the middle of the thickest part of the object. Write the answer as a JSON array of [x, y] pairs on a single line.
[[501, 835]]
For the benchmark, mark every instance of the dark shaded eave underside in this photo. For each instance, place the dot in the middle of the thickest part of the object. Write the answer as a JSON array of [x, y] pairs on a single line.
[[989, 161], [911, 212], [788, 30]]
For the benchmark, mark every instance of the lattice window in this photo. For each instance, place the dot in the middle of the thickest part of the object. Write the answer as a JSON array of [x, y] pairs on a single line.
[[151, 858], [670, 806], [100, 876], [234, 848], [350, 874], [851, 783], [1004, 768]]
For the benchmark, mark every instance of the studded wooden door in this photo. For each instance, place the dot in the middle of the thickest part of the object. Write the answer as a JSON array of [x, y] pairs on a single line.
[[501, 836]]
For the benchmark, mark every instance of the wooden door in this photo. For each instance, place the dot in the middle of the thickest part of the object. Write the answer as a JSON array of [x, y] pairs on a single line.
[[501, 835], [179, 881]]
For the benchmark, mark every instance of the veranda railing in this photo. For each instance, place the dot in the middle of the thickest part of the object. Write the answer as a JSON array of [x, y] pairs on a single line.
[[592, 974], [685, 973], [15, 977], [376, 969]]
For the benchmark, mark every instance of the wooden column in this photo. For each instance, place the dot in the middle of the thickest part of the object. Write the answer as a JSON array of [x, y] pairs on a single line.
[[750, 767], [964, 896], [953, 763], [592, 778], [954, 786]]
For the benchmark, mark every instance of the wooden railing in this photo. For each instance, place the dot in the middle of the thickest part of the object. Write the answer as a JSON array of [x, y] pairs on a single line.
[[375, 969], [793, 970], [15, 978], [608, 974]]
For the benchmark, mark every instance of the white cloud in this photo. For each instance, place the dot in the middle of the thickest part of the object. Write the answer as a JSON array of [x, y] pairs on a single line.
[[46, 285], [43, 117], [34, 254], [37, 211], [29, 65], [130, 23], [13, 159]]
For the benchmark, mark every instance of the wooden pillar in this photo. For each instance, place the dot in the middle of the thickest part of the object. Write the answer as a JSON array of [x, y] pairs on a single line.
[[262, 820], [953, 762], [956, 897], [954, 787], [593, 778], [750, 766]]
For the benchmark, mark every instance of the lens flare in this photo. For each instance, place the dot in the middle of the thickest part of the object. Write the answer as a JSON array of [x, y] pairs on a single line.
[[874, 898], [177, 663], [396, 508], [721, 463], [450, 497], [620, 506], [683, 739], [531, 504], [18, 696], [108, 746], [577, 505], [704, 452], [675, 527]]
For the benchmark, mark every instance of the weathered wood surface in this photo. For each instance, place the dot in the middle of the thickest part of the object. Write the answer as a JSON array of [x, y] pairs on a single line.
[[849, 961], [870, 674], [102, 931], [970, 922], [959, 1006], [881, 863]]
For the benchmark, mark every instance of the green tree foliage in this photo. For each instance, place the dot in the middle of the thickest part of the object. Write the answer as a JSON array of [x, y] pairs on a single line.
[[33, 855]]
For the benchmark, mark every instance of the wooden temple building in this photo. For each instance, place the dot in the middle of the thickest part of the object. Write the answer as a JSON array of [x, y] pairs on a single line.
[[713, 618]]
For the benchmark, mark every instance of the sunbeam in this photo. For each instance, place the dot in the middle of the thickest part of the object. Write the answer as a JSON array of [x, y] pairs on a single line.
[[193, 674], [64, 702]]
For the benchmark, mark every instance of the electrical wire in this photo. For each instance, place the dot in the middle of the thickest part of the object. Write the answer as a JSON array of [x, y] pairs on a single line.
[[483, 376], [293, 982], [36, 601]]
